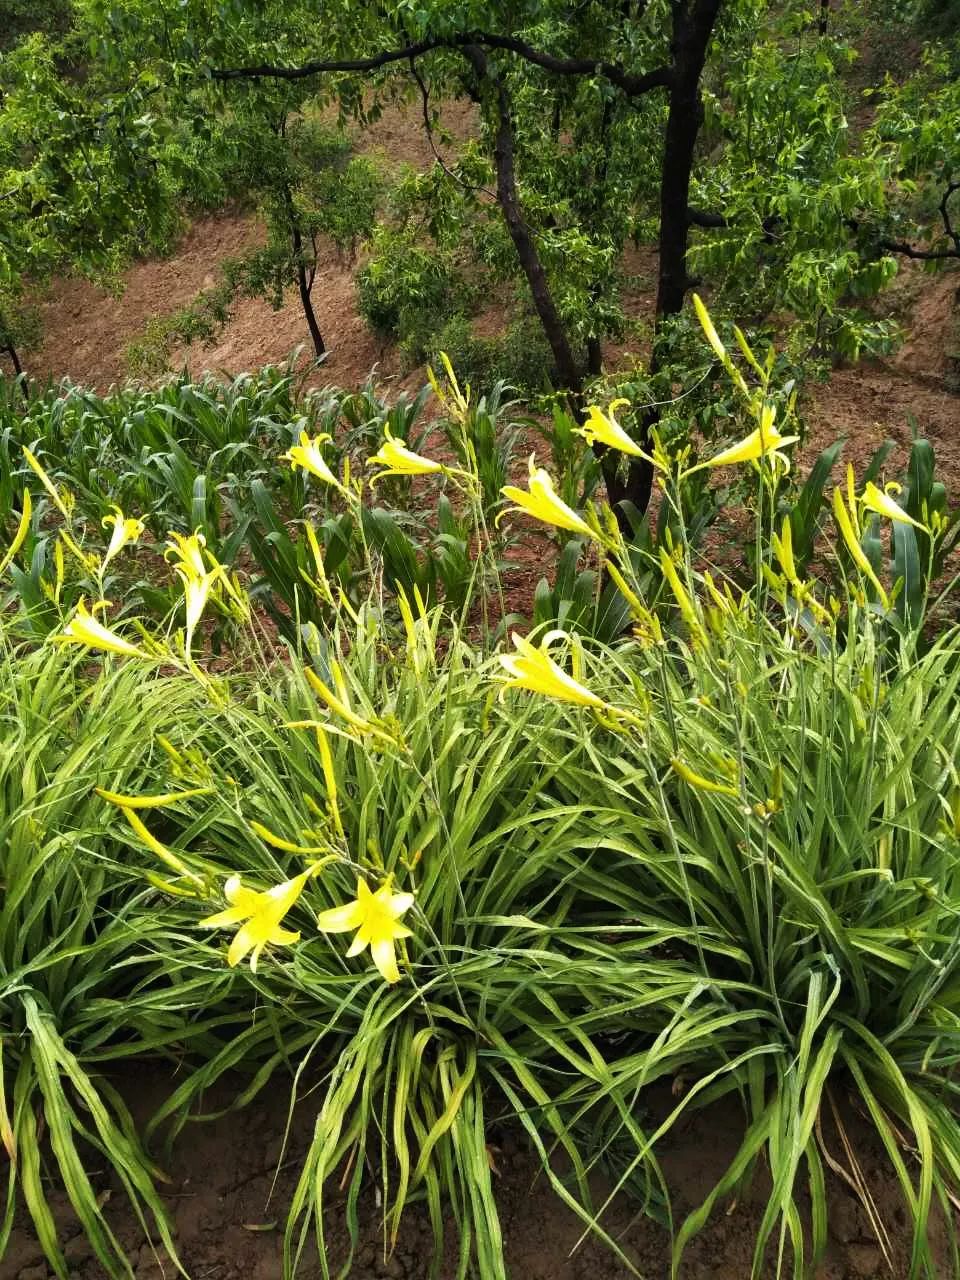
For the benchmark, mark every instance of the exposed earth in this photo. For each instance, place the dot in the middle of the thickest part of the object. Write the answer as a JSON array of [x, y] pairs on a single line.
[[228, 1199]]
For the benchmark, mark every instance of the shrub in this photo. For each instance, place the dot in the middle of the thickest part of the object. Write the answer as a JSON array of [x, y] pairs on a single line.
[[405, 290], [519, 357]]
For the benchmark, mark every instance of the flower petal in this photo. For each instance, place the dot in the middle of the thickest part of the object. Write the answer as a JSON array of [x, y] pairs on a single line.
[[232, 915], [384, 957], [360, 943], [283, 937], [340, 919], [244, 939]]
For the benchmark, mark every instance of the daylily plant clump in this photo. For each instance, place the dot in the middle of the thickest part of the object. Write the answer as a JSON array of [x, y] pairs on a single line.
[[450, 883], [375, 912]]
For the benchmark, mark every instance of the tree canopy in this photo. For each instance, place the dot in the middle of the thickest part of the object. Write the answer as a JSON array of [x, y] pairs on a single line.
[[729, 135]]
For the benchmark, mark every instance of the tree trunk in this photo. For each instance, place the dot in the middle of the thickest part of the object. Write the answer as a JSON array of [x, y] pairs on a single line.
[[11, 351], [305, 286], [508, 198], [595, 208], [824, 17], [693, 25]]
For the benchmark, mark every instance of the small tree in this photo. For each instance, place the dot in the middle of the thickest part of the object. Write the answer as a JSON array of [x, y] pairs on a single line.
[[306, 184]]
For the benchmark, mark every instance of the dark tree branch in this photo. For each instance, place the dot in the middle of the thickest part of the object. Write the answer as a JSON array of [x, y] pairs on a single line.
[[907, 250], [632, 84], [266, 71], [945, 214], [702, 218], [428, 126], [11, 351], [921, 255]]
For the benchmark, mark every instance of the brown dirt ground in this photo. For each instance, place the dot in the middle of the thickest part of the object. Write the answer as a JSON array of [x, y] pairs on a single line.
[[229, 1221], [873, 401]]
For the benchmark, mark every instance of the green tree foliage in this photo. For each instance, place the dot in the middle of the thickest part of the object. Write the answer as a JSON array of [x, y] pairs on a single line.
[[19, 18], [727, 132], [597, 125], [86, 174]]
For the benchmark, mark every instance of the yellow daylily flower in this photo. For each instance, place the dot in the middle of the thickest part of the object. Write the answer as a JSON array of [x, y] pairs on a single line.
[[699, 781], [308, 454], [338, 705], [59, 573], [397, 460], [86, 561], [235, 595], [647, 627], [150, 802], [167, 856], [198, 579], [287, 846], [461, 400], [188, 552], [680, 593], [852, 505], [876, 500], [64, 501], [259, 915], [604, 428], [849, 534], [783, 550], [196, 593], [376, 918], [126, 529], [544, 503], [330, 779], [764, 441], [703, 315], [532, 668], [719, 350], [23, 528], [83, 628], [724, 600]]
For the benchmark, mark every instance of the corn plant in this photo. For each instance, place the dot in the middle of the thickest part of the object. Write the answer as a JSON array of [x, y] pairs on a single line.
[[579, 600]]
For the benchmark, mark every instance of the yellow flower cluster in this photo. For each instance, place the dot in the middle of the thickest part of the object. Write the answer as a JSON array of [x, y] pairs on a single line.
[[374, 915], [849, 510]]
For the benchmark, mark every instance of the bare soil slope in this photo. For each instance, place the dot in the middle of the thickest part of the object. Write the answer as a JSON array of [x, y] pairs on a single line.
[[231, 1181]]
